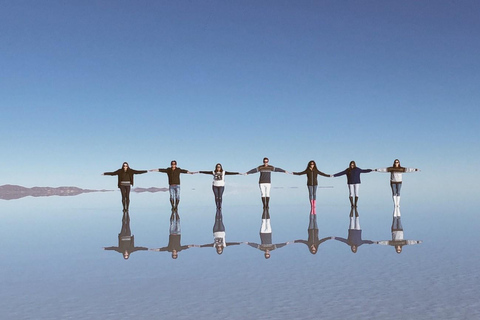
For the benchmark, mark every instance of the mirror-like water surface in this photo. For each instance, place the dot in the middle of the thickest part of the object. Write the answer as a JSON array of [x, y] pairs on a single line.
[[55, 265]]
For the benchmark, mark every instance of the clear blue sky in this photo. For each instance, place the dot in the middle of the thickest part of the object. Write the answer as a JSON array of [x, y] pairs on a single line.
[[86, 85]]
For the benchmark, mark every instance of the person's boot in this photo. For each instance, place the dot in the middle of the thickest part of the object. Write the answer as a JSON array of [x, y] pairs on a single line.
[[267, 200], [351, 201], [356, 201]]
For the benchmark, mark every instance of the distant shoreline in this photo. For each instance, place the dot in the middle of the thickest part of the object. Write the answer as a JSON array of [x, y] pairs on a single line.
[[12, 192]]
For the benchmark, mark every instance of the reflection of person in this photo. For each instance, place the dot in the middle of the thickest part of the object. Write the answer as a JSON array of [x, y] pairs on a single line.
[[125, 180], [265, 180], [266, 244], [313, 241], [126, 243], [396, 179], [218, 185], [354, 239], [312, 172], [353, 180], [397, 236], [173, 181], [219, 234], [174, 243]]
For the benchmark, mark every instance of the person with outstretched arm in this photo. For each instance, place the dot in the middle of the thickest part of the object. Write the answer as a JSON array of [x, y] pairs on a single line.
[[396, 171], [173, 173], [353, 180], [312, 172], [125, 181], [218, 185], [265, 180]]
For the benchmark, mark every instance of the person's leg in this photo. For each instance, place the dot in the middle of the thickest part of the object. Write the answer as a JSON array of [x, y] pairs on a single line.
[[267, 194], [220, 196], [351, 192], [171, 190], [263, 194], [127, 197], [356, 188], [215, 194], [124, 196]]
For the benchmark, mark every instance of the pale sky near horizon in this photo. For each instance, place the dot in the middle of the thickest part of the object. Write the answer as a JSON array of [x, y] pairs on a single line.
[[86, 85]]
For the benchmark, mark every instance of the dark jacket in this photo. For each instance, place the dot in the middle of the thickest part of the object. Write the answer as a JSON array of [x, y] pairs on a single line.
[[121, 174], [353, 175], [311, 176], [173, 175]]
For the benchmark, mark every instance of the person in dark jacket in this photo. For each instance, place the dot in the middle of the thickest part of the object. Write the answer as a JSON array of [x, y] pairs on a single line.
[[353, 180], [126, 241], [313, 241], [173, 173], [312, 172], [125, 181]]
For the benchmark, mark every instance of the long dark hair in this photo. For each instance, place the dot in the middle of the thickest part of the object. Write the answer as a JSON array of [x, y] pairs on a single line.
[[221, 168], [399, 166], [314, 165], [125, 163], [349, 166]]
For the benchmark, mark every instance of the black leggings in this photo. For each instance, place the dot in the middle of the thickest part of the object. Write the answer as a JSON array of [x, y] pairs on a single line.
[[125, 190]]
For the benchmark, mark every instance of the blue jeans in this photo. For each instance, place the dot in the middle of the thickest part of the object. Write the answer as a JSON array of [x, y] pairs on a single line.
[[174, 191], [396, 188], [218, 193], [312, 192]]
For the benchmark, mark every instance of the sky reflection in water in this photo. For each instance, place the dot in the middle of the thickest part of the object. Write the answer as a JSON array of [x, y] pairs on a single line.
[[54, 265]]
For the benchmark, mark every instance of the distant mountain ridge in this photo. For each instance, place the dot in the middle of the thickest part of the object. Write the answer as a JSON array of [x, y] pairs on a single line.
[[10, 192]]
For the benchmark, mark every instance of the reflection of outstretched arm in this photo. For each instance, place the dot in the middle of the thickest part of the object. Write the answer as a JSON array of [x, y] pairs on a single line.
[[232, 243], [138, 249], [341, 239], [325, 239], [252, 244], [206, 245], [301, 241], [111, 248]]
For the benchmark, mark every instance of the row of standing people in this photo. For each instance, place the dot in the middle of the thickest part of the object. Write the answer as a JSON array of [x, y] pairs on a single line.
[[125, 181]]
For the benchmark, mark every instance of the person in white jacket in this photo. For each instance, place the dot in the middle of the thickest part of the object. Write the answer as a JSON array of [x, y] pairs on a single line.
[[396, 179]]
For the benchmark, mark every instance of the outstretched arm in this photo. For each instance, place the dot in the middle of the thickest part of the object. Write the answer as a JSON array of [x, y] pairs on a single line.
[[341, 173], [154, 170], [139, 171]]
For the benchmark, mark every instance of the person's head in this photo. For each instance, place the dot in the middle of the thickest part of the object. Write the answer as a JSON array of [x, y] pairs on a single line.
[[313, 249], [265, 161], [354, 248], [218, 167], [174, 254], [398, 249], [173, 164], [396, 163], [126, 255], [352, 164], [125, 166], [267, 254], [311, 165], [219, 249]]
